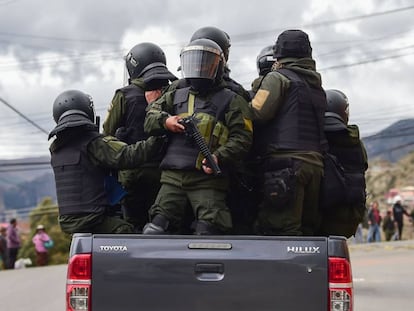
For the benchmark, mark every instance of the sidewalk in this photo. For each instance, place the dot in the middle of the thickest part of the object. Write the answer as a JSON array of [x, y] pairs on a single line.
[[392, 245]]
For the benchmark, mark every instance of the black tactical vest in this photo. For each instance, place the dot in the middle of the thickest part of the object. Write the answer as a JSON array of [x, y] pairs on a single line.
[[182, 152], [79, 183], [132, 125], [299, 123]]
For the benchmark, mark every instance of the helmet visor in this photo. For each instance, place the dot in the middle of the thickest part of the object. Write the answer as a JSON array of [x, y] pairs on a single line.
[[200, 62]]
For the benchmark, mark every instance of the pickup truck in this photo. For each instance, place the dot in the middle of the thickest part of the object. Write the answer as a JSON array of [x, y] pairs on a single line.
[[206, 273]]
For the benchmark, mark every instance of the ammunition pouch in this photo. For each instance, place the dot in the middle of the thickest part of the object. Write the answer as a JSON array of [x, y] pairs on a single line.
[[214, 137], [279, 183]]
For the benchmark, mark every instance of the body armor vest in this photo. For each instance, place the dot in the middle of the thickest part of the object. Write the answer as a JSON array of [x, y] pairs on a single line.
[[79, 183], [132, 129], [182, 153], [299, 123]]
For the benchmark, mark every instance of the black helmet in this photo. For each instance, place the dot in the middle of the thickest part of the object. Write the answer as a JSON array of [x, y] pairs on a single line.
[[147, 60], [265, 60], [337, 105], [292, 43], [73, 102], [217, 35], [202, 59], [72, 109]]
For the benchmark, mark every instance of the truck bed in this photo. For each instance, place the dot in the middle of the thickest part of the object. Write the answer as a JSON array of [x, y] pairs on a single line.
[[200, 273]]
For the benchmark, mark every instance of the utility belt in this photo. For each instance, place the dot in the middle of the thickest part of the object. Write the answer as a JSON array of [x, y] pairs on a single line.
[[279, 182]]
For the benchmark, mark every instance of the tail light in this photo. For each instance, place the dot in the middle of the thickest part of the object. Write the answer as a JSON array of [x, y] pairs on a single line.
[[78, 283], [340, 285]]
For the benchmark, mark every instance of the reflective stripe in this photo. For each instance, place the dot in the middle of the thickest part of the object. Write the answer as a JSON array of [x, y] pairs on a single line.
[[78, 282], [191, 98], [340, 285]]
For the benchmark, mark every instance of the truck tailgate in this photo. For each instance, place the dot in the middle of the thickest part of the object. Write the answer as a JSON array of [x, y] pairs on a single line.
[[136, 272]]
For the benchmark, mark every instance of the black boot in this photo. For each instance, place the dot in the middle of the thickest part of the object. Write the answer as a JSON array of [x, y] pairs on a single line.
[[204, 228], [158, 225]]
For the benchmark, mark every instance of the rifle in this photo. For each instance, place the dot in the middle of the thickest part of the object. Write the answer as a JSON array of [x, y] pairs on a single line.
[[191, 130]]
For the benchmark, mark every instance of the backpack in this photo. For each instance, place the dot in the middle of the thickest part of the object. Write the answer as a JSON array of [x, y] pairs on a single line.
[[339, 186], [334, 188], [48, 244], [342, 199]]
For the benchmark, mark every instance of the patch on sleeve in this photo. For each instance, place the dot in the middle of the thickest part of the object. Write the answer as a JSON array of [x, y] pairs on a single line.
[[248, 125], [259, 99], [114, 143]]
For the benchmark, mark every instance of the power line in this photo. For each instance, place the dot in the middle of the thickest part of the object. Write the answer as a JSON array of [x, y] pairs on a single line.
[[253, 35], [24, 169], [24, 163], [23, 116], [13, 34], [374, 60]]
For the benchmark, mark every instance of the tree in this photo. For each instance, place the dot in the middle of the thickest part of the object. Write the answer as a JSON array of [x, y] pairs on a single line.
[[46, 213]]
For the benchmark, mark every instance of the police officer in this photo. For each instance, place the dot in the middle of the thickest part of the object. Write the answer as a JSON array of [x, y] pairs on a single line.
[[186, 176], [82, 161], [264, 63], [290, 103], [241, 184], [344, 143], [223, 40], [146, 65]]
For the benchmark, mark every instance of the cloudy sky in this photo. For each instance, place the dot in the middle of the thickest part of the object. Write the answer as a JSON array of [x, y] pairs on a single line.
[[364, 48]]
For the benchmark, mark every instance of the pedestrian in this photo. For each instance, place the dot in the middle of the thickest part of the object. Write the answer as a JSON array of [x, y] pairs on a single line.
[[41, 240], [13, 243], [147, 70], [388, 226], [342, 204], [374, 222], [83, 161], [3, 248], [290, 104], [399, 211], [187, 178]]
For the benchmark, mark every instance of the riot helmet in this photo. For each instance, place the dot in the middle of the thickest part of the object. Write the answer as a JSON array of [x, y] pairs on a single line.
[[337, 105], [72, 108], [217, 35], [202, 59], [265, 60], [147, 60], [292, 43]]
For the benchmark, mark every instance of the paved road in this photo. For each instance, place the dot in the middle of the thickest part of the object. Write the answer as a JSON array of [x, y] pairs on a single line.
[[383, 276], [383, 280], [33, 289]]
